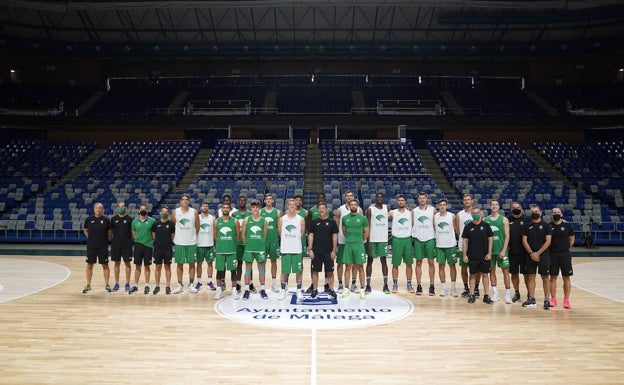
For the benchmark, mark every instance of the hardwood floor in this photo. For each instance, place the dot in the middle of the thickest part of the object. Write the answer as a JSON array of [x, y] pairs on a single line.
[[60, 335]]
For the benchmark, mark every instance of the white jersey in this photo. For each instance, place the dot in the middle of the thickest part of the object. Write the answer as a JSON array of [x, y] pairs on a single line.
[[205, 237], [401, 223], [378, 224], [463, 218], [185, 234], [290, 242], [423, 224], [445, 230], [343, 211]]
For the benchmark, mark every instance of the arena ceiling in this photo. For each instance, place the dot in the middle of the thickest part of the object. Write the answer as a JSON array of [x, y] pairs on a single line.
[[358, 29]]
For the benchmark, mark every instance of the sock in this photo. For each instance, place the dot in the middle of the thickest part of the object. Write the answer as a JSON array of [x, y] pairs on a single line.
[[368, 280], [466, 285], [209, 279], [283, 285], [190, 281], [409, 281], [180, 282], [299, 285], [340, 281], [246, 287], [385, 280], [262, 287], [352, 281], [476, 286], [395, 281]]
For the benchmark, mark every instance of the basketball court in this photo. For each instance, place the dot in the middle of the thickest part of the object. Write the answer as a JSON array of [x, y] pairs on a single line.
[[52, 333]]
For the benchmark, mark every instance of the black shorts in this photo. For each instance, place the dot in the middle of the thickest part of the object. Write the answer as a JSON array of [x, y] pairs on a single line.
[[561, 260], [542, 267], [97, 254], [323, 260], [517, 262], [163, 256], [121, 252], [142, 254], [476, 266]]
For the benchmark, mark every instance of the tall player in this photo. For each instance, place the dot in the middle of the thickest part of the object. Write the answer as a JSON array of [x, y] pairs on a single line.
[[500, 231], [462, 218], [377, 216], [205, 246], [424, 242], [402, 219], [446, 246], [272, 215]]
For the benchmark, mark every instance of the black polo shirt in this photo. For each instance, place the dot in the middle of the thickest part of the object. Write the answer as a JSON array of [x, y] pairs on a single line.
[[516, 228], [122, 231], [162, 234], [560, 236], [536, 234], [98, 232], [477, 235], [323, 230]]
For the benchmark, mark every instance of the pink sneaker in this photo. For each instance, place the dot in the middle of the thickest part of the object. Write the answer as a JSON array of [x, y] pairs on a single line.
[[566, 303], [553, 302]]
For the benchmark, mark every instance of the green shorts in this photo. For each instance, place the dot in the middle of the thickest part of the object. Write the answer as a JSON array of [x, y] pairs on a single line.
[[292, 263], [226, 262], [340, 254], [446, 255], [185, 253], [272, 249], [424, 250], [377, 249], [503, 263], [205, 253], [402, 251], [354, 254], [250, 256]]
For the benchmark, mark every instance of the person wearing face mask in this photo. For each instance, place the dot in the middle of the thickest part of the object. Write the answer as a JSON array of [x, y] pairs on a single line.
[[477, 239], [517, 254], [163, 232], [536, 239], [143, 243], [560, 257], [121, 243]]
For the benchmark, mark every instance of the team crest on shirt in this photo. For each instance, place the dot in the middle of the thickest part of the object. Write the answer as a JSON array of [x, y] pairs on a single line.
[[562, 228]]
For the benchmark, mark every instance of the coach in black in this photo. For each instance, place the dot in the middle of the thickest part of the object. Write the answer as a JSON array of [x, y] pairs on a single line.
[[560, 257], [536, 239], [477, 253], [97, 229], [517, 254], [323, 243]]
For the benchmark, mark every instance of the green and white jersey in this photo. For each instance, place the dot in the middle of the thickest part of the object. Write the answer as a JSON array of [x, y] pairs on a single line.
[[354, 224], [498, 232], [271, 220], [254, 234], [401, 223], [464, 219], [445, 230], [379, 224], [185, 234], [205, 237], [290, 242], [423, 223], [226, 236]]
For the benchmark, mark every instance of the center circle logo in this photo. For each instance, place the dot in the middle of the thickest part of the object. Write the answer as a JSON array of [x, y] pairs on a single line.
[[322, 312]]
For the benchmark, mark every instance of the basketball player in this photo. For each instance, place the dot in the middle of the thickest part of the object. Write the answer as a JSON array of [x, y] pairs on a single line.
[[377, 215]]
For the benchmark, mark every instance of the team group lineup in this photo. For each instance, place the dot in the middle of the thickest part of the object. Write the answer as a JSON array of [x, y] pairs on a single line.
[[349, 238]]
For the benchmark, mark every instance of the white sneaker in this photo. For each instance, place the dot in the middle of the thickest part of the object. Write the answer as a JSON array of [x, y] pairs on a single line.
[[274, 288], [454, 292], [345, 293], [235, 293], [508, 299], [179, 289], [443, 291], [299, 295], [495, 296], [282, 294], [218, 294], [362, 294], [191, 288]]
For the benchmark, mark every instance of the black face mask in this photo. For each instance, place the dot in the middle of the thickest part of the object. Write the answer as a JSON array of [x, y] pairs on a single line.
[[556, 217], [143, 213], [535, 216], [516, 211]]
